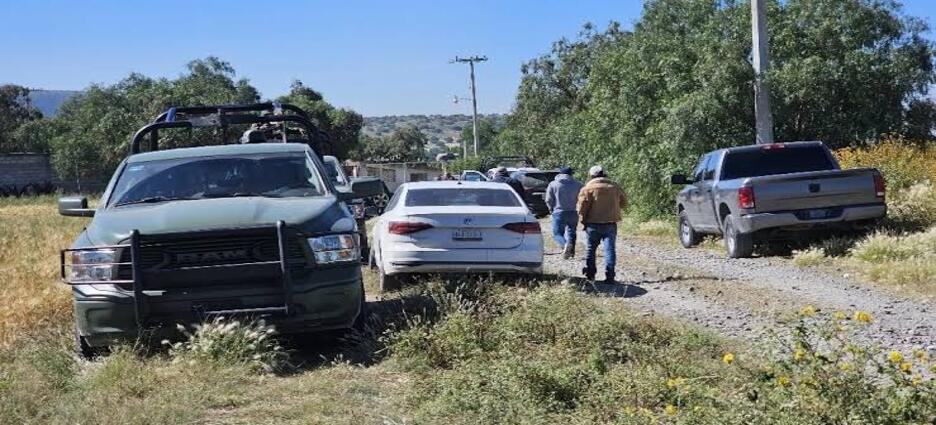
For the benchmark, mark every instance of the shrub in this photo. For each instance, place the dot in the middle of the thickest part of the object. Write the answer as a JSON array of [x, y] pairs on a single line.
[[810, 257], [906, 260], [554, 356], [914, 207], [881, 247], [231, 342], [634, 226], [901, 163]]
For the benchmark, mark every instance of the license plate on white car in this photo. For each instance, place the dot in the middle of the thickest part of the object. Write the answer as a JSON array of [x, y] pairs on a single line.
[[466, 235]]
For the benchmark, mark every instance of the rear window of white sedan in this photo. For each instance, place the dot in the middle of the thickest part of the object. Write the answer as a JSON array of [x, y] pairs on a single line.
[[461, 197]]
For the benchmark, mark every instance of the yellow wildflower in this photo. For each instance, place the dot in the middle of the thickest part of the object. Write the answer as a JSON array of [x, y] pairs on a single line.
[[906, 367], [839, 315], [728, 358], [783, 380], [916, 380], [895, 357], [920, 355], [674, 382], [670, 409], [845, 366], [863, 316], [808, 311], [799, 354]]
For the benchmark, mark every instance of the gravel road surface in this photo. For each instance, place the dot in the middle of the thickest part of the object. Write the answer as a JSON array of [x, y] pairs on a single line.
[[745, 298]]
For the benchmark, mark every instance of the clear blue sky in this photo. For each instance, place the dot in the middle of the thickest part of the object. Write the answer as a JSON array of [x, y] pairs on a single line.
[[377, 57]]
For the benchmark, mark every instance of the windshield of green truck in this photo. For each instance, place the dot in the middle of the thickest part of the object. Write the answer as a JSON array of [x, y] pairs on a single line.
[[280, 175]]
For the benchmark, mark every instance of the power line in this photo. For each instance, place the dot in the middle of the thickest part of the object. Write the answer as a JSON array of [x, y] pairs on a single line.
[[474, 99]]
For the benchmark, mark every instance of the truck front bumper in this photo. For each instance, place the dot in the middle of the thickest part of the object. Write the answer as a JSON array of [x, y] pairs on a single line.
[[750, 223], [324, 300]]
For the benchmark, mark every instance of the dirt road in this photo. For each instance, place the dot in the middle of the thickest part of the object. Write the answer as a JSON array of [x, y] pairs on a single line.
[[745, 298]]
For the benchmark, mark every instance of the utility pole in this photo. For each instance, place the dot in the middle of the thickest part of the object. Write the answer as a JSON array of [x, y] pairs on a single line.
[[761, 64], [474, 99]]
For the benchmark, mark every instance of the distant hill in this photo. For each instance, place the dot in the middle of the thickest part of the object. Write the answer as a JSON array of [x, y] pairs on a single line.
[[49, 101], [440, 129]]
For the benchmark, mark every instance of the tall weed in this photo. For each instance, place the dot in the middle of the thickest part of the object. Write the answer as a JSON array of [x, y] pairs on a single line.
[[902, 163]]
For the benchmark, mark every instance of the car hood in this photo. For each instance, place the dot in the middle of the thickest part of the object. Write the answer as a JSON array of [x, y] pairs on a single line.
[[310, 214]]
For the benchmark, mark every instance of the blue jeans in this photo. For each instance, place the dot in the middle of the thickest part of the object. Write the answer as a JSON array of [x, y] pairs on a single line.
[[563, 227], [596, 234]]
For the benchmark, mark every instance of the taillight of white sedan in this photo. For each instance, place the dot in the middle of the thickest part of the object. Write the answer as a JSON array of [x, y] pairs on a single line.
[[455, 227]]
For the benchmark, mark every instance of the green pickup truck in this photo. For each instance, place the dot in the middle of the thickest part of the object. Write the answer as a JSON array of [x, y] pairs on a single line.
[[253, 228]]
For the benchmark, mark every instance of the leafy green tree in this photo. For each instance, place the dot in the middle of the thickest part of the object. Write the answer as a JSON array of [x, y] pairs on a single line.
[[35, 136], [647, 103], [15, 110], [487, 131], [405, 144], [342, 126], [93, 129]]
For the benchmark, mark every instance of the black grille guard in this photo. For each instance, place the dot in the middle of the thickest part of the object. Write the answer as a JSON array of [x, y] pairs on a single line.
[[138, 284]]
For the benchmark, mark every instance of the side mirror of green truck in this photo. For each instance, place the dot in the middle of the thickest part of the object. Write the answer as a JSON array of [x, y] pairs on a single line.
[[75, 206]]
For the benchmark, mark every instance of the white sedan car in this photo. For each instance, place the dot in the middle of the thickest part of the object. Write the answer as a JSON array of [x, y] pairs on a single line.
[[455, 227]]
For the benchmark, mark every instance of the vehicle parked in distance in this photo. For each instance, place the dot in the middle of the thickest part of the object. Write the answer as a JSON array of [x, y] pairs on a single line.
[[253, 229], [357, 206], [781, 191], [455, 227], [473, 176], [534, 182], [510, 161]]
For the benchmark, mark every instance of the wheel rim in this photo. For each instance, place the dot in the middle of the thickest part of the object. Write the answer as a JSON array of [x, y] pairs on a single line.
[[380, 201]]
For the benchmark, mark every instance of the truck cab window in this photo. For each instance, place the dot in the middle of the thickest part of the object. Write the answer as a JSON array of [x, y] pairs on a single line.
[[700, 169], [709, 171]]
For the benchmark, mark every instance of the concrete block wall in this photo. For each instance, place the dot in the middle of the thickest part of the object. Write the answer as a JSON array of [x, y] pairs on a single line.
[[18, 170], [26, 168]]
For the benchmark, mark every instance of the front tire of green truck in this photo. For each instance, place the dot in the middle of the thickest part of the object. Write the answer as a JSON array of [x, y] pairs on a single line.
[[84, 350], [737, 245]]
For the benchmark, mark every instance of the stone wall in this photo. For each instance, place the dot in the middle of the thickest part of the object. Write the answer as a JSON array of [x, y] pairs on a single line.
[[18, 170], [21, 169]]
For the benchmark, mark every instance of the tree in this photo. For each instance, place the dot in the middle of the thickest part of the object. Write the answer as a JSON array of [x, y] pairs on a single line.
[[15, 110], [93, 129], [487, 131], [647, 103], [405, 144], [342, 126]]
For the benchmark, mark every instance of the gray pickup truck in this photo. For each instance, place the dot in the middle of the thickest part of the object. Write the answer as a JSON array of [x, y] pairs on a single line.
[[782, 191]]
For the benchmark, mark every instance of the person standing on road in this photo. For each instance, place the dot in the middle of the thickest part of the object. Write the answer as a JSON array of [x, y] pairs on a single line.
[[501, 176], [561, 197], [599, 206]]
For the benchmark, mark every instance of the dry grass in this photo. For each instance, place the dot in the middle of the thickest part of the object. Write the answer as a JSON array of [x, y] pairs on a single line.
[[902, 162], [31, 235], [487, 353]]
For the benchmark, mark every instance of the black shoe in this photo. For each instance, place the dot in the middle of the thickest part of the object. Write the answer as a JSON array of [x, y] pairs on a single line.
[[610, 280], [588, 276]]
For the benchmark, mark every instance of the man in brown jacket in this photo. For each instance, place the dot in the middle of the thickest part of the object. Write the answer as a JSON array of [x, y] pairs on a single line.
[[599, 206]]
